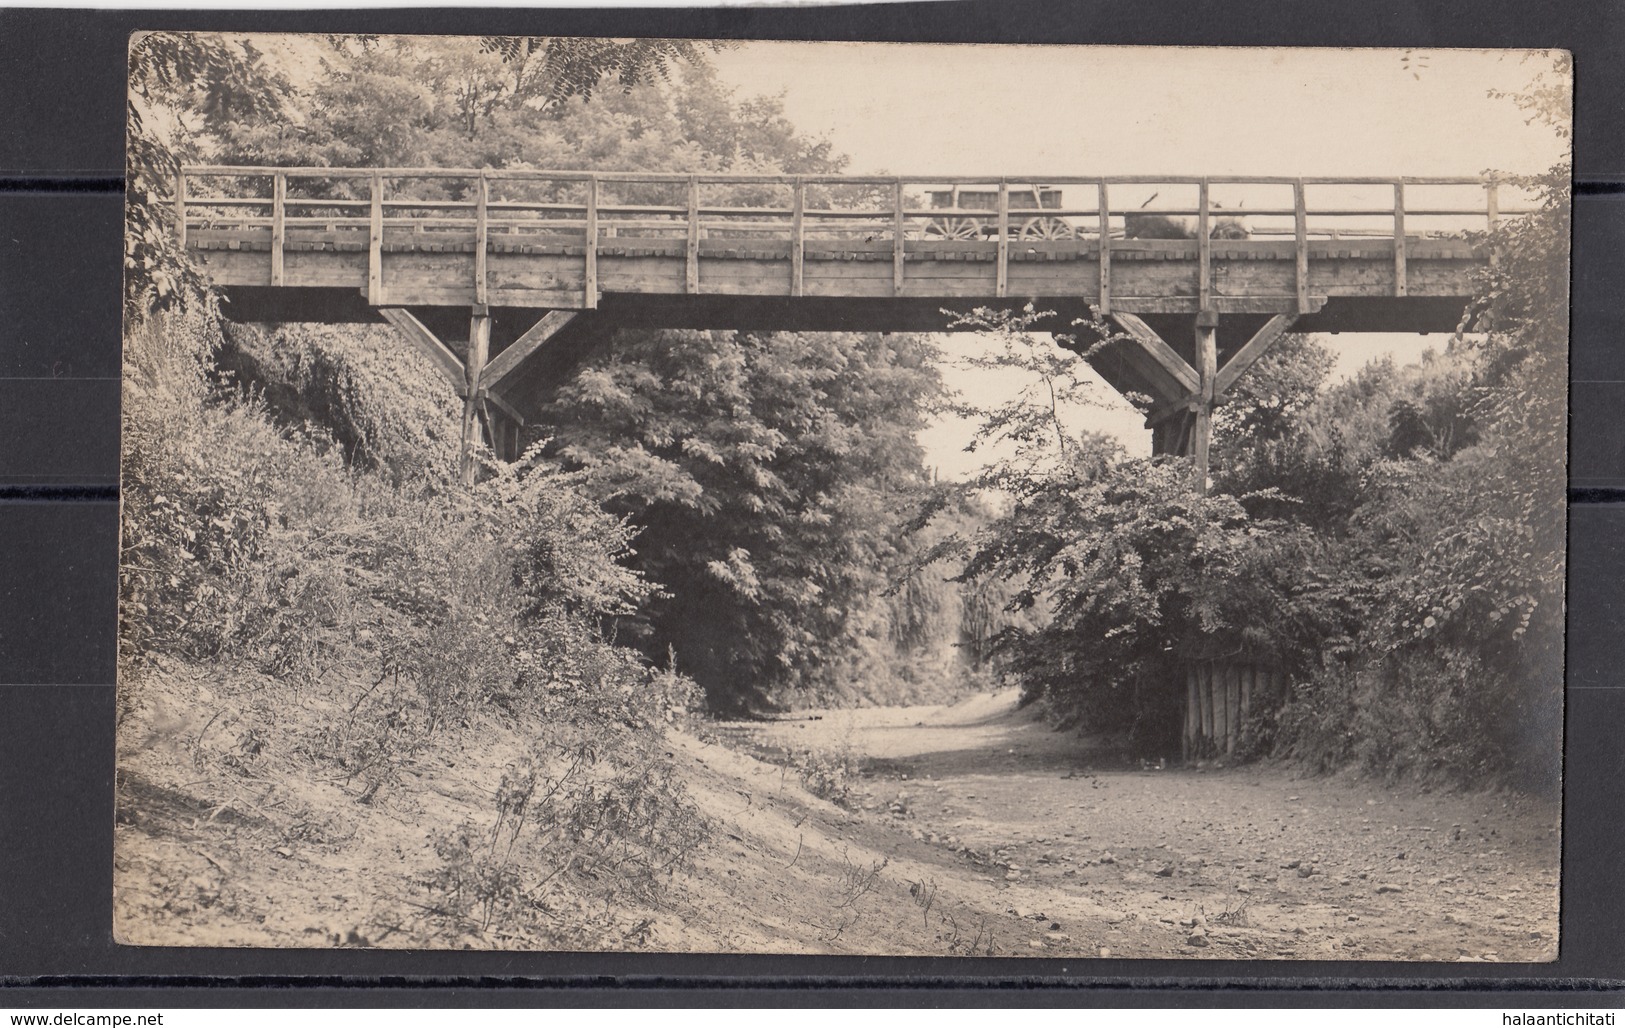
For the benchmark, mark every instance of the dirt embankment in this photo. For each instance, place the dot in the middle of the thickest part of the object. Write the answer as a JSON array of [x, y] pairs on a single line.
[[966, 830]]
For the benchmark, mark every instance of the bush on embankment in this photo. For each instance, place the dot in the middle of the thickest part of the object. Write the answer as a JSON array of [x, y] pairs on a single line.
[[410, 609]]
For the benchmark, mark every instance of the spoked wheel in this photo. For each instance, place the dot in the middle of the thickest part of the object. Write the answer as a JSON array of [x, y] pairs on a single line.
[[954, 228], [1046, 228]]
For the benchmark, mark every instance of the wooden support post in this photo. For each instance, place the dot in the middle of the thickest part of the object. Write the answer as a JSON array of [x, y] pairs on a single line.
[[898, 253], [482, 227], [180, 208], [1207, 371], [798, 236], [1105, 253], [1204, 251], [1001, 285], [375, 244], [1300, 231], [691, 260], [1400, 288], [479, 346], [590, 300], [279, 210]]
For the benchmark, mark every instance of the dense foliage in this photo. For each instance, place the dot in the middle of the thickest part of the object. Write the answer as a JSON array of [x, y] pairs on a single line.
[[1393, 543], [766, 475]]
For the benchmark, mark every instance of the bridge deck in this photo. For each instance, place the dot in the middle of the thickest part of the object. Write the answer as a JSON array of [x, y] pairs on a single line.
[[568, 240], [1200, 275]]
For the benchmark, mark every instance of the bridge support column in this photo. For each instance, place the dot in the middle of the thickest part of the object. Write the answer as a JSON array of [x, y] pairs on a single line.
[[1207, 367], [1182, 424], [479, 346]]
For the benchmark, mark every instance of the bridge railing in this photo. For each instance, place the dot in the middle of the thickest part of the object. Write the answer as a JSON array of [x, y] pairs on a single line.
[[795, 217]]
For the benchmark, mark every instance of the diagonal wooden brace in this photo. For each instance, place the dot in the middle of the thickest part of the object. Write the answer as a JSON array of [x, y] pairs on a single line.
[[418, 334], [1172, 366], [1249, 354], [523, 348]]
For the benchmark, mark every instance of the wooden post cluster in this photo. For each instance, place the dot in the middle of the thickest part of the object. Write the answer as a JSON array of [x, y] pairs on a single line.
[[1220, 698]]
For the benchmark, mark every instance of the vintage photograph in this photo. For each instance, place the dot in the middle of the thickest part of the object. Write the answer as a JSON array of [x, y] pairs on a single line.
[[648, 495]]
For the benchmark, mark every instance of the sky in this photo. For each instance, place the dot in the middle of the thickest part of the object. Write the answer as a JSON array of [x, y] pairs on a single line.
[[1037, 111]]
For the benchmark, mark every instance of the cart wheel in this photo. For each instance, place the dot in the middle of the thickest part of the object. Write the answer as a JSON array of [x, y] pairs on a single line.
[[1046, 228], [954, 228]]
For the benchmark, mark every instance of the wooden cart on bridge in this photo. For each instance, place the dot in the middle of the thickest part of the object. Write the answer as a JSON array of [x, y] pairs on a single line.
[[973, 213]]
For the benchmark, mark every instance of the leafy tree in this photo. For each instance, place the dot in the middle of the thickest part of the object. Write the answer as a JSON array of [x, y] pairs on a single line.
[[765, 474]]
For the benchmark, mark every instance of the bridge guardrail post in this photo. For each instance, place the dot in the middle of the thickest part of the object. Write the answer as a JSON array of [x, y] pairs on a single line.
[[375, 243], [1400, 286], [1105, 249], [279, 204], [1204, 250], [1002, 277], [590, 257], [691, 259], [1300, 235], [482, 228], [898, 253], [798, 236]]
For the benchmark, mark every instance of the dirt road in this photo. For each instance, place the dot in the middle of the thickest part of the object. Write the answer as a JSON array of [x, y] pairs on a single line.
[[1217, 862], [969, 830]]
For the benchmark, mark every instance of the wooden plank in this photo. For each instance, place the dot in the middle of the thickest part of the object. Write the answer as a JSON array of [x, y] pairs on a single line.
[[898, 247], [1002, 278], [375, 244], [521, 350], [479, 345], [1232, 706], [1105, 252], [1399, 239], [691, 259], [1191, 713], [482, 231], [1204, 694], [1164, 354], [798, 238], [1300, 244], [1249, 354], [180, 209], [419, 336], [279, 203], [1204, 250], [590, 250]]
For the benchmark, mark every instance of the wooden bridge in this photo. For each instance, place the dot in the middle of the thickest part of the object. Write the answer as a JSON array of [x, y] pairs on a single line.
[[506, 278]]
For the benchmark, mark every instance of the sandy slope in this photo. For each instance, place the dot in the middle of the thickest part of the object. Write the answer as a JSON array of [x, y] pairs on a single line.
[[975, 830]]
